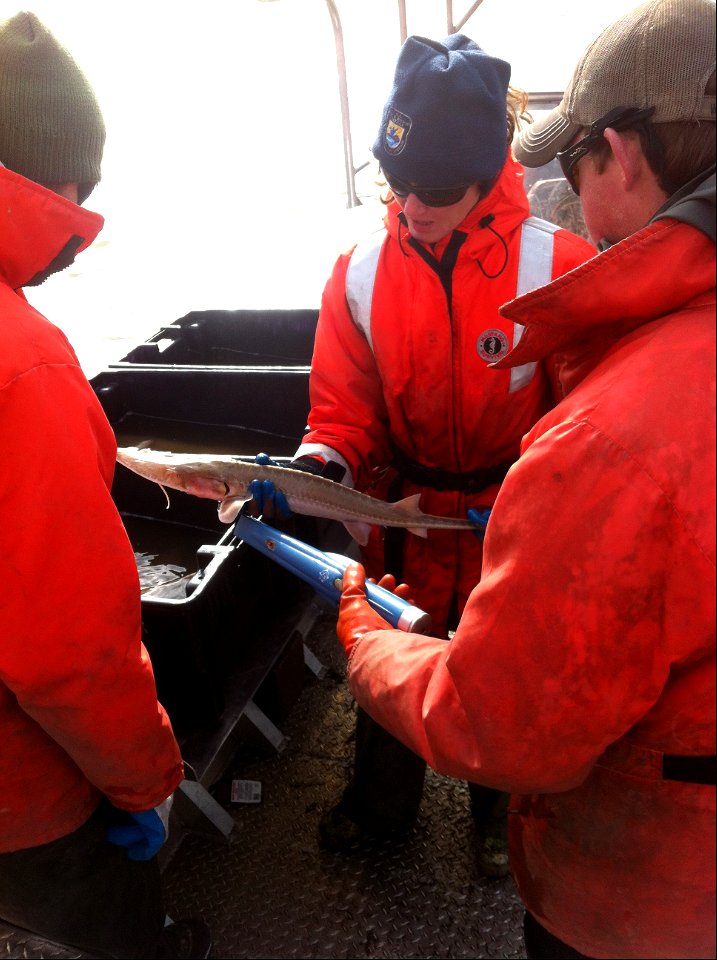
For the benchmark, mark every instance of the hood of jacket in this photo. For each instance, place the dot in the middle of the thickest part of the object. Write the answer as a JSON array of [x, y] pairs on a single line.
[[40, 231], [693, 204]]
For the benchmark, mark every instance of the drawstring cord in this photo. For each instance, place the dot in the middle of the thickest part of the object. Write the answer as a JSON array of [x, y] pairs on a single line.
[[485, 224], [403, 222]]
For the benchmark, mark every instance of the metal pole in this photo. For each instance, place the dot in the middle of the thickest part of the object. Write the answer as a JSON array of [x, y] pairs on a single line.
[[455, 27], [353, 200], [402, 20]]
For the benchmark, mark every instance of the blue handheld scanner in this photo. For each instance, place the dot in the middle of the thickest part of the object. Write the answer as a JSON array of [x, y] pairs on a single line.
[[324, 572]]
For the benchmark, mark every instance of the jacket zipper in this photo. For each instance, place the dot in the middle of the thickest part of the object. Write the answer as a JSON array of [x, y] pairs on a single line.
[[443, 269]]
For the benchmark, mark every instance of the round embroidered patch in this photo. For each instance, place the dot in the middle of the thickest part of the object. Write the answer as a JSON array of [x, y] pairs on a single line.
[[492, 345]]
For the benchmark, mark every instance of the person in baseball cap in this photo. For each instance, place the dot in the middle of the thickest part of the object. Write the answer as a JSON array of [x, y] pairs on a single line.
[[581, 673], [648, 80], [657, 58]]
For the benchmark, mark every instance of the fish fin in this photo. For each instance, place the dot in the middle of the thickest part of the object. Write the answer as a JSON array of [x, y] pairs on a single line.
[[229, 508], [410, 505], [359, 531], [419, 531]]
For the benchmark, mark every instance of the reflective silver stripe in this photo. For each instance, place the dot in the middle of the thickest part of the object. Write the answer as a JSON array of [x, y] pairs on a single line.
[[328, 453], [360, 278], [535, 269]]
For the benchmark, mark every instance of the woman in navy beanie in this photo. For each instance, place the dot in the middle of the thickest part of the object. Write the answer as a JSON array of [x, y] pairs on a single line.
[[404, 400], [444, 123]]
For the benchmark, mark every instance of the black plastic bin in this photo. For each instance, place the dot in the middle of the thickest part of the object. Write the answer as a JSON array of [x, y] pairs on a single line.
[[208, 601], [217, 338], [240, 411], [227, 382], [222, 381], [217, 625]]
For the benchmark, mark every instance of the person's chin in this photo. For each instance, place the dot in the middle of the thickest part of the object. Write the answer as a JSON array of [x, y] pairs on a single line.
[[422, 231]]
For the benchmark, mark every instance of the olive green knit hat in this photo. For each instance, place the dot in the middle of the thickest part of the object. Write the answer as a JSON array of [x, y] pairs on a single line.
[[51, 127]]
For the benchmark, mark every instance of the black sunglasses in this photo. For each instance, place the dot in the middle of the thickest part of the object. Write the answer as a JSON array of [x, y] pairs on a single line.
[[429, 196], [621, 118]]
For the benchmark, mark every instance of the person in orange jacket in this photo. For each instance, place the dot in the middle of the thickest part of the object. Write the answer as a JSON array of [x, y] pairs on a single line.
[[403, 401], [89, 758], [581, 677]]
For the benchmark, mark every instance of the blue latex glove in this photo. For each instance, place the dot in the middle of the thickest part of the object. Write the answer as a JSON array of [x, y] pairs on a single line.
[[145, 832], [268, 499], [479, 519]]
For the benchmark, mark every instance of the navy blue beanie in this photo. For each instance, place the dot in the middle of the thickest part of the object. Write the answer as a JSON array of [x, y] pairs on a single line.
[[444, 124]]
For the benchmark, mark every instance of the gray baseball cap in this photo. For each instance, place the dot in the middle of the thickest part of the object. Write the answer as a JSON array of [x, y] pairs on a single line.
[[659, 55]]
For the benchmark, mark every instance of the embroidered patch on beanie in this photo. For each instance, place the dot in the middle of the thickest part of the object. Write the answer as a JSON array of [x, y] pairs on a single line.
[[398, 127]]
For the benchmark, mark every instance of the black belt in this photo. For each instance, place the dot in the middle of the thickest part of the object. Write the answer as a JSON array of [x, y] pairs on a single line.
[[471, 482], [689, 769], [442, 480]]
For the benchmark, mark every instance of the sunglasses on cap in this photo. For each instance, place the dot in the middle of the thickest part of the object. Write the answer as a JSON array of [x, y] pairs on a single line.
[[429, 196], [621, 118]]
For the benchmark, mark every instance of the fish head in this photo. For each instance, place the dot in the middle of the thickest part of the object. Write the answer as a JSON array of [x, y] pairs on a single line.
[[199, 475]]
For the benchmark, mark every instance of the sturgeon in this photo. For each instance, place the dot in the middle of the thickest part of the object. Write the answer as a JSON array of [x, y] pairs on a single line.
[[227, 479]]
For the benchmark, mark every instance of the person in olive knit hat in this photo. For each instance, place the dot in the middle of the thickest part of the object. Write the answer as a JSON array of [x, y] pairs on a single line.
[[51, 126], [89, 759]]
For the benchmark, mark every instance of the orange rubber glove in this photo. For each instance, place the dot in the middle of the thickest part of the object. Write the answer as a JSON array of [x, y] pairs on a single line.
[[356, 617]]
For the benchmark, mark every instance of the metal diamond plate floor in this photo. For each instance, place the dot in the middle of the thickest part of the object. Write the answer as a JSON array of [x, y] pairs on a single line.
[[271, 892]]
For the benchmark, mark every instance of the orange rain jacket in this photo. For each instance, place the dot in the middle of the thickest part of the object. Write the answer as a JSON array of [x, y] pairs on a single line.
[[587, 651], [424, 384], [79, 715]]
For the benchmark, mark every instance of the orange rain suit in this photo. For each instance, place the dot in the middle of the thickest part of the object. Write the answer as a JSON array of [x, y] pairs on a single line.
[[421, 380], [79, 715], [585, 658]]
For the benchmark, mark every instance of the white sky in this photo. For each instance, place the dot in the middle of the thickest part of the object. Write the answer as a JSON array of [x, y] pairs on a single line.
[[223, 178]]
